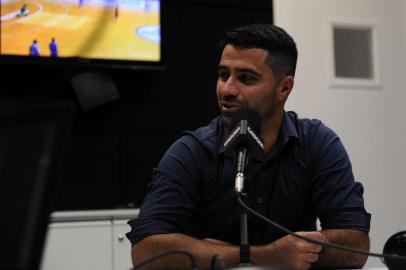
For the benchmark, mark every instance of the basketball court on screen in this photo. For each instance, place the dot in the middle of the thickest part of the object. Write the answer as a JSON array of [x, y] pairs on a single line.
[[103, 29]]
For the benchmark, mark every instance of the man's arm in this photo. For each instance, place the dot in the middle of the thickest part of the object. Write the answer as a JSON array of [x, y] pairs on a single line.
[[339, 202], [333, 258], [288, 252], [201, 250]]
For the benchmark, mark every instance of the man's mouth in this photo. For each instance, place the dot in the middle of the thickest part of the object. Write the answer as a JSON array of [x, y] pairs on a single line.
[[227, 107]]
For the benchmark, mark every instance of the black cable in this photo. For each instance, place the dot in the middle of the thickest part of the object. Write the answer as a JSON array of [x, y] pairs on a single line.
[[392, 256], [163, 254]]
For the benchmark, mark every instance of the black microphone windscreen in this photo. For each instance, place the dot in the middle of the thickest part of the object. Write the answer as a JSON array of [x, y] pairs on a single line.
[[245, 133], [248, 114]]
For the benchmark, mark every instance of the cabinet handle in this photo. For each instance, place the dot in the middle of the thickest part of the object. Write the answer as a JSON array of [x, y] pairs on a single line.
[[120, 237]]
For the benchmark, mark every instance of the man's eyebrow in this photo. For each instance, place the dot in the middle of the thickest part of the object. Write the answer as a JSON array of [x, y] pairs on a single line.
[[242, 70], [221, 67], [248, 70]]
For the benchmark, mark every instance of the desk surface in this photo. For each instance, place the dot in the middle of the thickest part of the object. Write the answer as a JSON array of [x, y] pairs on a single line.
[[369, 268]]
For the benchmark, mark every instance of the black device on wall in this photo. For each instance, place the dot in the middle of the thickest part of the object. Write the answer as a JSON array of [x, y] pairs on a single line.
[[32, 143], [94, 33]]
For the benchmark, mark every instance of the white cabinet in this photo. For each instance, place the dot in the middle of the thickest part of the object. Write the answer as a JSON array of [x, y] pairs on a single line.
[[121, 246], [78, 245], [88, 240]]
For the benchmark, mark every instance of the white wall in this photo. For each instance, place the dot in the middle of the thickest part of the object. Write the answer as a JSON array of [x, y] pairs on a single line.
[[370, 121], [403, 11]]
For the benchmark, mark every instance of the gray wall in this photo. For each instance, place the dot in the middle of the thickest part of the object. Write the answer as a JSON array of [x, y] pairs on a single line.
[[369, 118]]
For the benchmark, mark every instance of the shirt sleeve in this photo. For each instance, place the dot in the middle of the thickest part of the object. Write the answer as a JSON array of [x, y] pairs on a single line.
[[172, 197], [337, 197]]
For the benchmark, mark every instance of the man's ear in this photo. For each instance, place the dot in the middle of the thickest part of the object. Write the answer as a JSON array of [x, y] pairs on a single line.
[[285, 87]]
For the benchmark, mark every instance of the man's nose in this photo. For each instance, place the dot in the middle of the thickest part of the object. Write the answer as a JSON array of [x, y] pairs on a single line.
[[230, 88]]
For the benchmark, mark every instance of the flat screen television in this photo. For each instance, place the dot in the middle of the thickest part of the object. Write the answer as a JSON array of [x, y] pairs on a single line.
[[103, 32]]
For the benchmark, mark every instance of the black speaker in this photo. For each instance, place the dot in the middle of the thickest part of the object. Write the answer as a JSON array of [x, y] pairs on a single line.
[[94, 89], [395, 245]]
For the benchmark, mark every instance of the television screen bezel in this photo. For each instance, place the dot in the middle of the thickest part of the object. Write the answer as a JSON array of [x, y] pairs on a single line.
[[94, 62]]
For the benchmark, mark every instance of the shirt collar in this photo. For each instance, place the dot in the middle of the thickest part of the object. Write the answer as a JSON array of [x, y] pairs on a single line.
[[287, 131], [223, 135]]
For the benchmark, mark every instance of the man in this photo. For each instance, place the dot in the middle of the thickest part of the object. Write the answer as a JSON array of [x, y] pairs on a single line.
[[34, 48], [306, 174], [23, 11], [53, 48]]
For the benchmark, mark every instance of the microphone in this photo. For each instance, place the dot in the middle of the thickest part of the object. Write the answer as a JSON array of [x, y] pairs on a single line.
[[244, 142]]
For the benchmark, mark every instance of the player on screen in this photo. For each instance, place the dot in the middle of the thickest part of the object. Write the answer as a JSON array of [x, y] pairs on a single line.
[[23, 11], [34, 48], [116, 10], [53, 48]]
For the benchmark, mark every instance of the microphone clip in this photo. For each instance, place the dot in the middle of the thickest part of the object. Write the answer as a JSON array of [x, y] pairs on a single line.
[[239, 182]]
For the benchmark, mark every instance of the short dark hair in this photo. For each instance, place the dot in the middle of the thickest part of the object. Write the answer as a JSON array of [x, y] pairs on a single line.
[[280, 45]]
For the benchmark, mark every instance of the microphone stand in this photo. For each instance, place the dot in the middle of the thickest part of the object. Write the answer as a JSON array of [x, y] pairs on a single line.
[[245, 252]]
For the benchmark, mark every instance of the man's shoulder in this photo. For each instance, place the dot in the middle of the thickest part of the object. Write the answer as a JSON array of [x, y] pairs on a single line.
[[308, 127], [206, 136], [208, 132]]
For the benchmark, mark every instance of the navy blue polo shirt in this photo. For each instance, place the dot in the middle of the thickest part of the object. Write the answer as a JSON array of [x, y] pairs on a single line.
[[307, 175]]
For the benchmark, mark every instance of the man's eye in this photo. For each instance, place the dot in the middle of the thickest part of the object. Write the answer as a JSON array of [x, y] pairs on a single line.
[[223, 75], [246, 78]]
